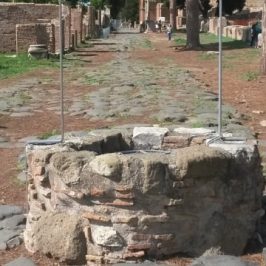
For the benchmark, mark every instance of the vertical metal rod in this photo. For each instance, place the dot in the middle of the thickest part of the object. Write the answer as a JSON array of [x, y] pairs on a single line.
[[220, 76], [61, 72]]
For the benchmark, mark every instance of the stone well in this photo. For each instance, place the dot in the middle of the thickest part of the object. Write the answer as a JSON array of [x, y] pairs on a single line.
[[118, 194]]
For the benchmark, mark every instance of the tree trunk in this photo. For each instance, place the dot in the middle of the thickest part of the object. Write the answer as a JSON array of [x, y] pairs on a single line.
[[173, 14], [192, 24], [264, 39]]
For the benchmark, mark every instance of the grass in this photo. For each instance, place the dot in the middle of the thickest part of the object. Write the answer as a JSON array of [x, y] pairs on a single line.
[[211, 40], [147, 44], [47, 135], [24, 97], [11, 65], [250, 75]]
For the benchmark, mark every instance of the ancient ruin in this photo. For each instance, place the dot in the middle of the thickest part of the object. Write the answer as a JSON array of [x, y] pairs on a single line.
[[126, 194]]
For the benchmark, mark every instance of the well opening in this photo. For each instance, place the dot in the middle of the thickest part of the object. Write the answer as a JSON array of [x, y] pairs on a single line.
[[126, 194]]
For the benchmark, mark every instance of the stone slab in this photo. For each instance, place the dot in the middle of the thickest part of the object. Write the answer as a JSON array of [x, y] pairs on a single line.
[[194, 131], [7, 234], [148, 137], [9, 210], [222, 260], [21, 261], [13, 221]]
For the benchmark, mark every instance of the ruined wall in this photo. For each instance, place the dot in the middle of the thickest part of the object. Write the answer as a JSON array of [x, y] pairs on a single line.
[[103, 202], [41, 33], [20, 13], [255, 4], [152, 11], [12, 14], [76, 23]]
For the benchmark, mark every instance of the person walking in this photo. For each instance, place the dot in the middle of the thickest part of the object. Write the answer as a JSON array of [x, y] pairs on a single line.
[[169, 32], [255, 31]]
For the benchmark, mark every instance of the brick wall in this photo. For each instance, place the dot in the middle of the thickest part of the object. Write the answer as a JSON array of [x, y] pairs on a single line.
[[13, 16], [76, 22]]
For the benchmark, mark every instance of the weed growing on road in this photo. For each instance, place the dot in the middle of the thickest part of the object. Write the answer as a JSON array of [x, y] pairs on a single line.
[[47, 135], [250, 75], [24, 97]]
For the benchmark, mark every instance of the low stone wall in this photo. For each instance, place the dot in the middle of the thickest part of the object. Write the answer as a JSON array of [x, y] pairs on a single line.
[[237, 32], [117, 195]]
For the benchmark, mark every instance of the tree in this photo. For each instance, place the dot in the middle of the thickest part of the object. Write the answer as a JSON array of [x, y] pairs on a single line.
[[192, 24], [193, 8], [98, 4], [173, 13], [116, 6], [130, 10]]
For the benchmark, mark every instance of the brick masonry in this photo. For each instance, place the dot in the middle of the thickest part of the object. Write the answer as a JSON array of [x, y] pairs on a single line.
[[23, 24], [132, 204]]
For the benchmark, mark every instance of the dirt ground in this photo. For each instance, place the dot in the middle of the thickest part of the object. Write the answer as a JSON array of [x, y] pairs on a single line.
[[248, 97]]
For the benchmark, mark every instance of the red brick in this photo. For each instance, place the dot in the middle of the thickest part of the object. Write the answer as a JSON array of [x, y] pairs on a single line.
[[96, 217], [139, 246], [132, 255]]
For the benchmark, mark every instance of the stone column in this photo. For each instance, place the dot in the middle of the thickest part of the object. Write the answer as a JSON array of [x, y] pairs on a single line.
[[141, 11], [91, 24]]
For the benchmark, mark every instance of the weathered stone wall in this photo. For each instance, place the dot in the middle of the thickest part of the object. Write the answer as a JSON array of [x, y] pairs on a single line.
[[98, 200]]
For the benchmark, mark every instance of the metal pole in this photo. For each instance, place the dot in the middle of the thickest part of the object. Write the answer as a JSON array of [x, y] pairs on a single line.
[[61, 72], [220, 76]]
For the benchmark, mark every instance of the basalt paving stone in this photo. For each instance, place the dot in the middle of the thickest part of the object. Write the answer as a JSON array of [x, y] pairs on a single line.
[[21, 261]]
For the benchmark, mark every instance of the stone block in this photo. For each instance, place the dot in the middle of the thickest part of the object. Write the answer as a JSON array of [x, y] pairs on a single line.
[[68, 165], [106, 236], [60, 235], [194, 131], [148, 137], [196, 162], [107, 165], [175, 142]]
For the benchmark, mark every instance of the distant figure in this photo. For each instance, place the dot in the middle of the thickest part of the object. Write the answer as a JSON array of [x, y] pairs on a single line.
[[156, 26], [255, 31], [169, 32], [160, 26]]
